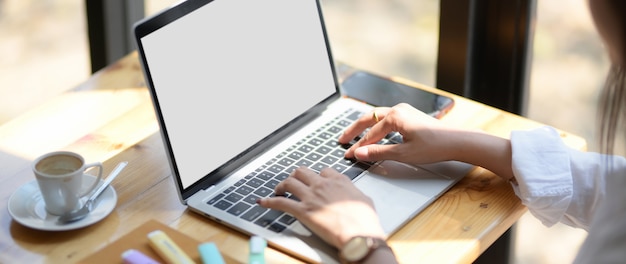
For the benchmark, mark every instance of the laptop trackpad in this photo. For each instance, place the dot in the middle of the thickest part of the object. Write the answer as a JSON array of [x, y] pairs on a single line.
[[401, 191]]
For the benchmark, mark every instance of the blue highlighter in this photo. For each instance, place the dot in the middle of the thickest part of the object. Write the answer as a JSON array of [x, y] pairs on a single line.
[[210, 254]]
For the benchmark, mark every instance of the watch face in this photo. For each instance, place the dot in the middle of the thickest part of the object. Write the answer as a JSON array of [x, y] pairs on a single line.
[[356, 249]]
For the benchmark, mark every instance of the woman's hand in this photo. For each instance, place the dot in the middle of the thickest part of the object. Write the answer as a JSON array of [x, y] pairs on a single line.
[[329, 204], [424, 137], [425, 140]]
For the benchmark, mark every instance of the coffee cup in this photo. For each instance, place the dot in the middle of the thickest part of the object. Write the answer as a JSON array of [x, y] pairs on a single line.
[[60, 178]]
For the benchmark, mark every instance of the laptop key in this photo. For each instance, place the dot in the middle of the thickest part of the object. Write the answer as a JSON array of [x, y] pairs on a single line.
[[318, 166], [271, 184], [251, 199], [260, 168], [276, 227], [355, 115], [282, 176], [263, 192], [293, 197], [325, 136], [314, 156], [265, 175], [244, 190], [270, 162], [355, 170], [254, 183], [286, 162], [289, 170], [223, 205], [305, 148], [344, 123], [332, 144], [275, 168], [296, 155], [304, 162], [287, 219], [268, 218], [253, 213], [329, 160], [339, 167], [334, 129], [240, 182], [347, 162], [229, 189], [339, 153], [239, 208], [215, 199], [323, 150], [315, 142], [233, 197]]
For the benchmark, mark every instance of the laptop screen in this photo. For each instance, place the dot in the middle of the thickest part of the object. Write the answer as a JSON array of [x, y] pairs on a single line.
[[232, 72]]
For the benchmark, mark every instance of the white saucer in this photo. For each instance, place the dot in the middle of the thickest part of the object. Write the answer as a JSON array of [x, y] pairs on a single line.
[[27, 207]]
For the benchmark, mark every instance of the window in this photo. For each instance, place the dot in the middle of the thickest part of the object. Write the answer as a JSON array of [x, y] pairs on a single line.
[[43, 50]]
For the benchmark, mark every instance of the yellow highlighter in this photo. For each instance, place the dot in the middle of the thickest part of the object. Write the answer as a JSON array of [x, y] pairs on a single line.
[[167, 249]]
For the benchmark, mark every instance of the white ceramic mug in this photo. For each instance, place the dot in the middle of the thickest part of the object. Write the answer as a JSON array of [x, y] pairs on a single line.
[[60, 178]]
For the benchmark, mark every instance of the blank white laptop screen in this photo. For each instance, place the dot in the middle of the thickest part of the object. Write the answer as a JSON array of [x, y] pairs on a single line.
[[231, 61]]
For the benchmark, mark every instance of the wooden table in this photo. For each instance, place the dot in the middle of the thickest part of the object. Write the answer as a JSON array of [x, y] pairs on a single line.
[[110, 118]]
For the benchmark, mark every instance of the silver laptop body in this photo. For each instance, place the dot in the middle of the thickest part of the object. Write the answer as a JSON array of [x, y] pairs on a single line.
[[238, 87]]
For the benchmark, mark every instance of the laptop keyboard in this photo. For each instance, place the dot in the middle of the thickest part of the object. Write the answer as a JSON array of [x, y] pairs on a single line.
[[317, 151]]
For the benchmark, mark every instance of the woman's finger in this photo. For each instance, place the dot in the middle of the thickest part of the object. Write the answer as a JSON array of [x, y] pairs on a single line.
[[331, 173], [305, 175], [290, 185], [365, 121], [284, 204]]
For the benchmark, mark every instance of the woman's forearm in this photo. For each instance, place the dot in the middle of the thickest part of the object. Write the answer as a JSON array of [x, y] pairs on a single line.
[[482, 149]]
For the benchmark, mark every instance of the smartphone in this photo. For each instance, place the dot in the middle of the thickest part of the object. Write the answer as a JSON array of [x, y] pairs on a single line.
[[381, 91]]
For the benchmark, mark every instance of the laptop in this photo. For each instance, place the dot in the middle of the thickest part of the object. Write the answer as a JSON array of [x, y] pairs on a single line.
[[245, 91]]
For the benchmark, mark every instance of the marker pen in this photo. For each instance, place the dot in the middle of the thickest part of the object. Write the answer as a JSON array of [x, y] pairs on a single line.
[[133, 256], [167, 249], [210, 254], [257, 250]]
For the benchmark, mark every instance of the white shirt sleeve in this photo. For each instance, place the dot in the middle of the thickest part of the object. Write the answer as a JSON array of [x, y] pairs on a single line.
[[556, 183], [580, 189]]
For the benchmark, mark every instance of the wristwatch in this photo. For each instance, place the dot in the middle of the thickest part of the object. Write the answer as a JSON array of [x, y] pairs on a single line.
[[359, 248]]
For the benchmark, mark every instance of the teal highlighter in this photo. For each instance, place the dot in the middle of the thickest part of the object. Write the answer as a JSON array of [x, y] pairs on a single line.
[[210, 254], [257, 250]]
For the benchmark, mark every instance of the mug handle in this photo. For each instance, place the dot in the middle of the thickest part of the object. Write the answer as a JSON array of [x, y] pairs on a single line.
[[97, 181]]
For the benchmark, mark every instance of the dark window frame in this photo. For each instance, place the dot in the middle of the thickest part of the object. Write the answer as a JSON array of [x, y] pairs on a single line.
[[485, 51], [109, 26]]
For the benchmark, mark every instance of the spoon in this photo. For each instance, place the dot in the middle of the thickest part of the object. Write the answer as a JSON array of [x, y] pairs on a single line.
[[88, 206]]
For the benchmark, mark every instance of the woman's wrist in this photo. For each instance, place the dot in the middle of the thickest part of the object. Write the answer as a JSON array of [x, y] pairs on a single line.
[[485, 150], [367, 224]]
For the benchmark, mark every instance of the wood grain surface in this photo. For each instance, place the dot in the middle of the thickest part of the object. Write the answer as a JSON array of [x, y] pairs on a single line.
[[110, 118]]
